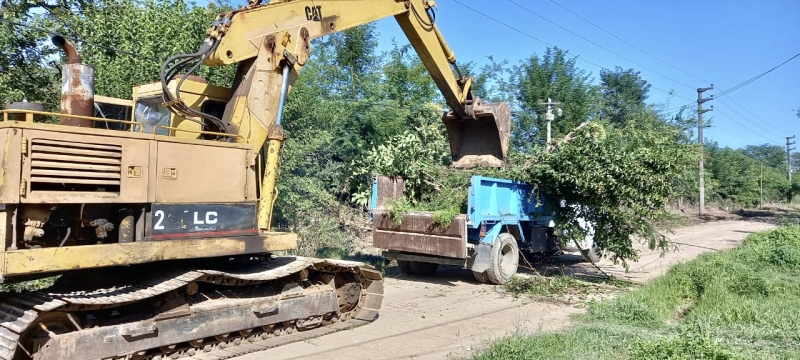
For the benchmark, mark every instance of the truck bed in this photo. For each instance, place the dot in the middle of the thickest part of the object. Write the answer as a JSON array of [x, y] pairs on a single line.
[[418, 233]]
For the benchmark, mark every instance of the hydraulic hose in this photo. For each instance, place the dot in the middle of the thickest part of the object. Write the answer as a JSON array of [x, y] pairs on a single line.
[[168, 72]]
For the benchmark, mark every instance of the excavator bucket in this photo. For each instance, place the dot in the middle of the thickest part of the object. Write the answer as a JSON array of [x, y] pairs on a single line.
[[482, 139]]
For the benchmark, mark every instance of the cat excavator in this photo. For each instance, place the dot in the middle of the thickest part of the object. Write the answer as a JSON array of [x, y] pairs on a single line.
[[155, 214]]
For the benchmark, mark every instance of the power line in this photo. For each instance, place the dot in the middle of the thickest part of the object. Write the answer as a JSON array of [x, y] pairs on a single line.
[[746, 82], [747, 128], [598, 45], [740, 85], [632, 45], [747, 110], [745, 118], [680, 106], [79, 40], [548, 44]]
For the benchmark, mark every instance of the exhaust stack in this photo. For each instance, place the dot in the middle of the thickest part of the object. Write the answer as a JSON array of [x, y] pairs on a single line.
[[77, 86]]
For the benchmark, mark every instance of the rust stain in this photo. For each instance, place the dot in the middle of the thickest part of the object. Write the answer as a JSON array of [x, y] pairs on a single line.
[[76, 94]]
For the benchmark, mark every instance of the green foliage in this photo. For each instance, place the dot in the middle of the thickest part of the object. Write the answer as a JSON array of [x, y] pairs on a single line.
[[27, 286], [736, 304], [22, 73], [444, 217], [540, 285], [619, 182], [320, 234], [415, 155], [687, 346], [773, 156], [399, 207], [736, 175], [552, 75], [623, 91]]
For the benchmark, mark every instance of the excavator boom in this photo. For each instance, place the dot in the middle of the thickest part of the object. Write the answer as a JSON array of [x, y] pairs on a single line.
[[272, 42]]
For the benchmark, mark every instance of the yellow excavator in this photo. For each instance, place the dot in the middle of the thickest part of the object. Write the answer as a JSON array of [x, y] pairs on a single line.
[[156, 212]]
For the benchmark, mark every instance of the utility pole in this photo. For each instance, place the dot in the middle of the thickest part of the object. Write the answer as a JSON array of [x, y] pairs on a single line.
[[549, 116], [700, 111], [761, 185], [788, 157]]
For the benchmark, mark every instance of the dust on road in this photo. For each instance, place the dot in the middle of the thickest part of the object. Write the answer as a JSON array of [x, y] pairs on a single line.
[[450, 315]]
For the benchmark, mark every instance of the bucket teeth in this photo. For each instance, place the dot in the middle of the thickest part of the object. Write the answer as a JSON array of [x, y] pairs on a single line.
[[482, 138]]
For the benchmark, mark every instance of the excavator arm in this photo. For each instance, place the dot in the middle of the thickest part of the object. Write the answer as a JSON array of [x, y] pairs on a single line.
[[271, 43]]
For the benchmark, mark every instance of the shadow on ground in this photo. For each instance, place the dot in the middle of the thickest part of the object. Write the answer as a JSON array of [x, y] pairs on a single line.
[[571, 265]]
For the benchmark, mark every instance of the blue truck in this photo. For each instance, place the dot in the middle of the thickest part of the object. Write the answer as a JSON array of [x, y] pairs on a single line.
[[502, 223]]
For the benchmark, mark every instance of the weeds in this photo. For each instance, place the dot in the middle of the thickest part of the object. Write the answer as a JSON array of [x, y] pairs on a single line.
[[687, 346]]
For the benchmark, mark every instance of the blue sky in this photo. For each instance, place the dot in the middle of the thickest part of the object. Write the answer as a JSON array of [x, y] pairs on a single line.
[[719, 42]]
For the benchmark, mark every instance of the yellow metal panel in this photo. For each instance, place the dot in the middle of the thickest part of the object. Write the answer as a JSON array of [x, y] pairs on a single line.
[[268, 191], [194, 173], [152, 173], [188, 87], [134, 155], [11, 142], [115, 133], [46, 260]]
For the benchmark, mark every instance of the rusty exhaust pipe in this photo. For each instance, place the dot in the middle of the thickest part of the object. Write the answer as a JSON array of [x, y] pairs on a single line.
[[72, 52], [77, 86]]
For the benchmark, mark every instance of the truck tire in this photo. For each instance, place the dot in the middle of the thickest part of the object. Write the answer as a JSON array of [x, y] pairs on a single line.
[[592, 254], [504, 259], [405, 267], [480, 276], [423, 269]]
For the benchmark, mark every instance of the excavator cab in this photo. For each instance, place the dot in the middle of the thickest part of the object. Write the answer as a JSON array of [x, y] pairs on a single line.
[[480, 138]]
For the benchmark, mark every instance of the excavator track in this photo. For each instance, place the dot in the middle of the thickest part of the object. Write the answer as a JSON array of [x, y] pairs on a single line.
[[180, 311]]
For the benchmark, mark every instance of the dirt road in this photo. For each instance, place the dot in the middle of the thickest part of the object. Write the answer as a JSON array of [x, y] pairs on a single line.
[[450, 315]]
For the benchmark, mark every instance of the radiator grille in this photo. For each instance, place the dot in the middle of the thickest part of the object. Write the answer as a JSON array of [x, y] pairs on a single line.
[[70, 166]]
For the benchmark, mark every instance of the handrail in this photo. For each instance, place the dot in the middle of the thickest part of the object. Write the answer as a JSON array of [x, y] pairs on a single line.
[[29, 116]]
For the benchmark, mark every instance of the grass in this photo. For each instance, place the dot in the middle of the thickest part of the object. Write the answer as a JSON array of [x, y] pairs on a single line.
[[739, 304]]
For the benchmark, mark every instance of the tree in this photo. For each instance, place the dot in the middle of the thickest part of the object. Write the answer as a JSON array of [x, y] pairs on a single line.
[[142, 49], [23, 75], [795, 161], [554, 76], [772, 155], [623, 92]]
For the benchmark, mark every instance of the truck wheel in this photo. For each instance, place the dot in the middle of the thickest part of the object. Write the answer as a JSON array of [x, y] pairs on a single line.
[[480, 276], [423, 268], [592, 254], [405, 267], [504, 259]]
